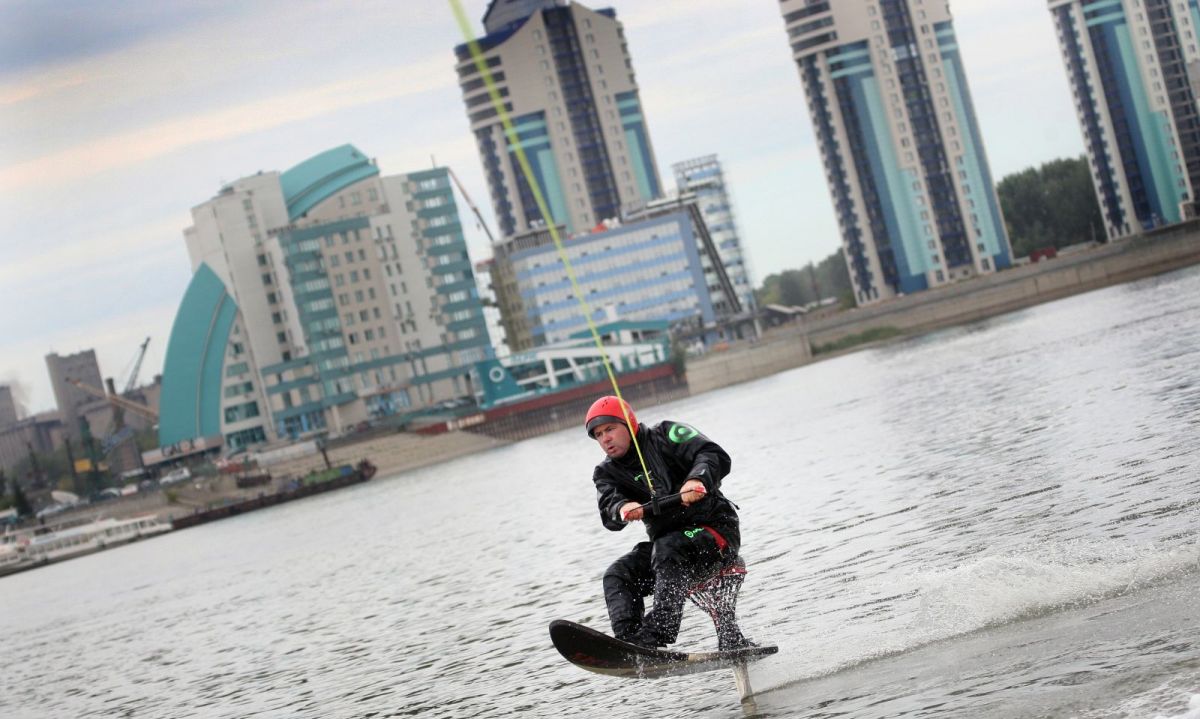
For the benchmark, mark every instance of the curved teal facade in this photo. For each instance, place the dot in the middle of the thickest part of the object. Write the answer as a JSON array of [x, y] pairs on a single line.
[[320, 177], [190, 405]]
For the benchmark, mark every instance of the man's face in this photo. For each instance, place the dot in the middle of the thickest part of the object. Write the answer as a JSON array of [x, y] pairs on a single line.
[[613, 438]]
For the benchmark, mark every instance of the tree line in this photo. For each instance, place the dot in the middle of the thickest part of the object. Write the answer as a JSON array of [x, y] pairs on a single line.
[[1053, 205]]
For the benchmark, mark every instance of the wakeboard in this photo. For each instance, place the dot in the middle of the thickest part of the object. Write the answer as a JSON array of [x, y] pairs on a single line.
[[597, 652]]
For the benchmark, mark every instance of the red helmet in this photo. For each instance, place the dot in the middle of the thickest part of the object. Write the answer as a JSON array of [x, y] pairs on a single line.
[[608, 409]]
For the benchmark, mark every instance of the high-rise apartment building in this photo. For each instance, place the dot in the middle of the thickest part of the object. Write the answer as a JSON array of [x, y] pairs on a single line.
[[73, 402], [1134, 69], [8, 406], [323, 296], [704, 178], [903, 156], [566, 80]]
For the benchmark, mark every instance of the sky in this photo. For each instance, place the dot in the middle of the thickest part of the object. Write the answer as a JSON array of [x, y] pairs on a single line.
[[116, 118]]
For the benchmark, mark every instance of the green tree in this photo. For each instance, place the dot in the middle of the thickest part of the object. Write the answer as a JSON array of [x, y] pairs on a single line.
[[20, 501], [1050, 206], [828, 278], [38, 467]]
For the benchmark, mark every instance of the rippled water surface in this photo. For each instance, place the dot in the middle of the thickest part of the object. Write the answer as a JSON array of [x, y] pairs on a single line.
[[995, 520]]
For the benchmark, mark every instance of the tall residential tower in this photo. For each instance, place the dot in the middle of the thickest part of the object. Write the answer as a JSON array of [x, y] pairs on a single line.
[[902, 151], [565, 78], [1135, 72], [704, 177]]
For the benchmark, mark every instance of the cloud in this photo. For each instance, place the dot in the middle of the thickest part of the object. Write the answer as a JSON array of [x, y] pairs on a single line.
[[642, 15], [741, 46], [91, 252], [146, 143], [15, 93], [36, 33]]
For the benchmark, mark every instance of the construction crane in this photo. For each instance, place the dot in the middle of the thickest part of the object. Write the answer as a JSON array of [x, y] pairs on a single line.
[[478, 215], [116, 400], [137, 366]]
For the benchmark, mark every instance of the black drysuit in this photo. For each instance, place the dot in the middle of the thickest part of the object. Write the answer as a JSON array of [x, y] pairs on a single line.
[[687, 544]]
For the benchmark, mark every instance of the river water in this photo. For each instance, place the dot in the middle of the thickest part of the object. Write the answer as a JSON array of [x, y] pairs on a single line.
[[996, 520]]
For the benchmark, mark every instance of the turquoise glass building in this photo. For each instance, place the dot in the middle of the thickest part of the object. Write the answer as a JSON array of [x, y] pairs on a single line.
[[1131, 66], [903, 154]]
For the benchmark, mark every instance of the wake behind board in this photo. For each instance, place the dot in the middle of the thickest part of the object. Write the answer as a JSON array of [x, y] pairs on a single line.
[[597, 652]]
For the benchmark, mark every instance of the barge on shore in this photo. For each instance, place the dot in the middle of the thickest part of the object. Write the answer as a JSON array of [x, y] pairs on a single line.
[[317, 483]]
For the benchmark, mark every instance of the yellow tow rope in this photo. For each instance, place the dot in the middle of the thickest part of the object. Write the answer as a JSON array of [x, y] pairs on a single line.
[[511, 133]]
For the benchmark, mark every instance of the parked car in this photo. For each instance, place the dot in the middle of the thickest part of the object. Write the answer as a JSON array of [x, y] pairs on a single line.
[[51, 510], [105, 494], [175, 476]]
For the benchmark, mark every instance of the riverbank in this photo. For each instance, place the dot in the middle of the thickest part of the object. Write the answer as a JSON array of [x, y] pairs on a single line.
[[391, 454], [803, 341], [779, 349]]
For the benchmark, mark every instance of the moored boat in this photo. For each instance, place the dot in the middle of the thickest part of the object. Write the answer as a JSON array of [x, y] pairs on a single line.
[[314, 483], [27, 550]]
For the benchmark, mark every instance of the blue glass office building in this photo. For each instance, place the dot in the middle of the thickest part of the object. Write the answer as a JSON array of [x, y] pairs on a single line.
[[650, 270]]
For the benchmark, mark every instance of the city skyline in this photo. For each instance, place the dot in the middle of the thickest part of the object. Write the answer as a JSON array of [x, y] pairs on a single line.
[[117, 125]]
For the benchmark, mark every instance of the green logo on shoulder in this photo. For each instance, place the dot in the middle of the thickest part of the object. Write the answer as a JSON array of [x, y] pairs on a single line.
[[681, 433]]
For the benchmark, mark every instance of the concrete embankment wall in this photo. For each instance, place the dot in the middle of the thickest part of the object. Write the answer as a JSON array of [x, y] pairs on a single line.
[[1017, 288], [745, 362]]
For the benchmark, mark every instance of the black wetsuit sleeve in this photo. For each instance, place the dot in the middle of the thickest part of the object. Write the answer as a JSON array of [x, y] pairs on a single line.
[[706, 460], [609, 500]]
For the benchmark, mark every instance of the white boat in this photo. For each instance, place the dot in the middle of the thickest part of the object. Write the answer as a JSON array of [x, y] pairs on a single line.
[[34, 550], [11, 558]]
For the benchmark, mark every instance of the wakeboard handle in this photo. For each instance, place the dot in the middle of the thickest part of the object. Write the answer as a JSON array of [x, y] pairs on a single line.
[[658, 505]]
